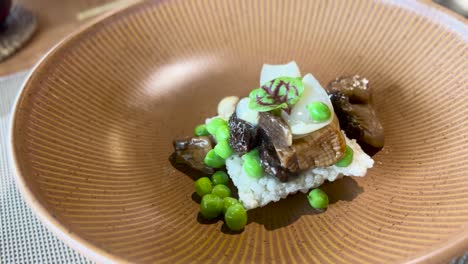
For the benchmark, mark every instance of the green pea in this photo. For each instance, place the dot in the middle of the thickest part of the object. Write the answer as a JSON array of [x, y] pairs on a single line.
[[220, 177], [318, 199], [252, 165], [200, 130], [203, 186], [213, 160], [221, 190], [214, 124], [223, 149], [222, 133], [347, 158], [211, 206], [319, 112], [235, 217], [253, 168], [228, 202], [252, 154]]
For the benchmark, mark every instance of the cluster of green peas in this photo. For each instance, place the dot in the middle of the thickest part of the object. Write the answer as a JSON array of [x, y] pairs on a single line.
[[215, 194], [216, 157], [217, 200], [219, 128]]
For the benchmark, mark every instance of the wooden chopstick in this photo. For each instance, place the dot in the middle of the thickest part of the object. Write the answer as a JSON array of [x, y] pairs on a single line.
[[92, 12]]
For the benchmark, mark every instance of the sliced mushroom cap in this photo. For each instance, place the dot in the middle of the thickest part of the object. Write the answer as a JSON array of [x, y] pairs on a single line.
[[355, 87], [372, 130], [192, 152], [277, 130], [243, 135], [275, 151], [321, 148], [270, 160], [352, 100]]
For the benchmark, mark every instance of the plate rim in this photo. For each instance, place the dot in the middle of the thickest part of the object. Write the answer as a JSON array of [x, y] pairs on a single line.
[[73, 240]]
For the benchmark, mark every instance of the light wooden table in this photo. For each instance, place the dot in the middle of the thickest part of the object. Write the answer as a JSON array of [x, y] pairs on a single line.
[[56, 19]]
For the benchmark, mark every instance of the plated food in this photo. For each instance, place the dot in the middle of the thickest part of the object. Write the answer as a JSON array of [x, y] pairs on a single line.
[[286, 136], [94, 124]]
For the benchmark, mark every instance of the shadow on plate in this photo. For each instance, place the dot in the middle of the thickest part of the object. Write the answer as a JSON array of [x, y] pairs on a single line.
[[286, 211], [289, 210], [193, 174]]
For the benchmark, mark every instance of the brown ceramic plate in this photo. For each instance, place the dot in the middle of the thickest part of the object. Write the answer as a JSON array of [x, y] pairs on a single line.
[[93, 127]]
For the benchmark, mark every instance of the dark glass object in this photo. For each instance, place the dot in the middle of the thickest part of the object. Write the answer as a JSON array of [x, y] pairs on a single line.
[[4, 10]]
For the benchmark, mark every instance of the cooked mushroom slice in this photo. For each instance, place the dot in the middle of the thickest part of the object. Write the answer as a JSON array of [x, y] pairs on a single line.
[[192, 152], [352, 101], [321, 148], [283, 158], [270, 161], [243, 136], [355, 87], [275, 139], [276, 129]]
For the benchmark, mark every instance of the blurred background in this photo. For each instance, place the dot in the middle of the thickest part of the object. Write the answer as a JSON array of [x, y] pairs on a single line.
[[28, 28], [55, 19], [459, 6]]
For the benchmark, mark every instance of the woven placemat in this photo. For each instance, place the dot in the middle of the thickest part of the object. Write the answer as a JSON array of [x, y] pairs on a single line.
[[23, 239]]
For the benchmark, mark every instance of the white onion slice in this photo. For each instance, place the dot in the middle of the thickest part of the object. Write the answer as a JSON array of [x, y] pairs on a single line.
[[299, 120], [245, 113], [270, 72]]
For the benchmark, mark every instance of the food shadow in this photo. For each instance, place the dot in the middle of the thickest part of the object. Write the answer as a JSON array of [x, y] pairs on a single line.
[[287, 211], [190, 172], [284, 212]]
